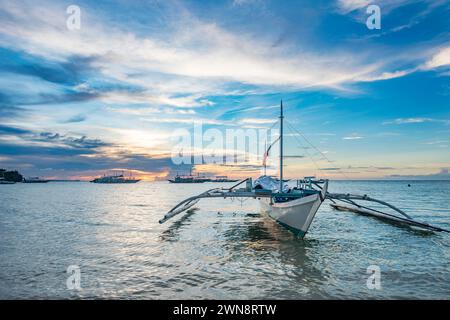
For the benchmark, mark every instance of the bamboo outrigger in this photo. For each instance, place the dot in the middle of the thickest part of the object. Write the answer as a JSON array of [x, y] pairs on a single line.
[[340, 201], [295, 208]]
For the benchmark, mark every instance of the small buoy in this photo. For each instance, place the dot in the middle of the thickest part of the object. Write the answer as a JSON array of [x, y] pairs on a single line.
[[409, 185]]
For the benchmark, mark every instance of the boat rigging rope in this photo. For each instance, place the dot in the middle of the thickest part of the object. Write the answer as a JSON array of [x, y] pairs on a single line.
[[315, 148], [311, 157]]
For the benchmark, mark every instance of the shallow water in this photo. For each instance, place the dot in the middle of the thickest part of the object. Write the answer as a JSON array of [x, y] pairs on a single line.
[[223, 250]]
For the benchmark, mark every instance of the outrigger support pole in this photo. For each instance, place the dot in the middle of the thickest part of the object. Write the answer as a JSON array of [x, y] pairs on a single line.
[[343, 197], [213, 193], [348, 198]]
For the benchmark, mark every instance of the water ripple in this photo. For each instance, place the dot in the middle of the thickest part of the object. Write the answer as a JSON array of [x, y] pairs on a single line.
[[219, 250]]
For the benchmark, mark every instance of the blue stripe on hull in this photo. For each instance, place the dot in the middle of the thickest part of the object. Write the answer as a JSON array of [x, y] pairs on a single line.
[[297, 232]]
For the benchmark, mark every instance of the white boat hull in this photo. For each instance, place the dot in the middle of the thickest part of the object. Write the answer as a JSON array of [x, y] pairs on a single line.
[[295, 215]]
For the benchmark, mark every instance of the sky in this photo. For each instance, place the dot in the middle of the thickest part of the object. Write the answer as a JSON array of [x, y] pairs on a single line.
[[359, 103]]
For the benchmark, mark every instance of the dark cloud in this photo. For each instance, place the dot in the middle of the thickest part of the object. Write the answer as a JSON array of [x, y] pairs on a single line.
[[69, 162], [13, 130], [74, 142], [49, 135], [13, 105], [9, 111], [76, 118], [68, 96], [72, 155], [371, 167], [70, 72], [71, 77], [85, 143], [10, 149], [56, 143]]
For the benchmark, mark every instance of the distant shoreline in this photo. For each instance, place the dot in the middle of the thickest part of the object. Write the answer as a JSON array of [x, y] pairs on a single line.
[[331, 180]]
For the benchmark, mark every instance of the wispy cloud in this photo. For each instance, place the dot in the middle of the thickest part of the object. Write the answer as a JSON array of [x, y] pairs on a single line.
[[190, 121], [416, 120], [142, 111], [195, 49], [331, 169], [353, 136], [346, 6], [388, 75], [439, 59], [257, 121], [76, 118]]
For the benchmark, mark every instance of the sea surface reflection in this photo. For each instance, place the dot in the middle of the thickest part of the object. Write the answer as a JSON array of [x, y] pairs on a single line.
[[221, 249]]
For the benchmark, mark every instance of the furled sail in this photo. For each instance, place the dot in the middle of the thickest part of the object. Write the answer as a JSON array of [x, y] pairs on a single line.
[[266, 154]]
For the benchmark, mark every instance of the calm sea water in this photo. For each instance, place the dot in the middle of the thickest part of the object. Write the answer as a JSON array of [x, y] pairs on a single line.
[[224, 250]]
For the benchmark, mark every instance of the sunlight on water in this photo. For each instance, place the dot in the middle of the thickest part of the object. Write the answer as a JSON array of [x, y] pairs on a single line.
[[223, 249]]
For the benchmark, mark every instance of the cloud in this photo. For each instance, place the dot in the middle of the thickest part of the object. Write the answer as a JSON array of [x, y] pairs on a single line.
[[241, 109], [142, 111], [257, 121], [180, 67], [439, 143], [353, 136], [193, 49], [9, 111], [186, 120], [416, 120], [77, 118], [387, 75], [69, 72], [71, 156], [346, 6], [245, 2], [12, 130], [75, 142], [133, 97], [50, 140], [439, 59], [11, 135], [20, 91]]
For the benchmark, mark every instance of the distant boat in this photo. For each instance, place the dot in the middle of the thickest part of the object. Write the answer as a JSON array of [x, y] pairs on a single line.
[[115, 179], [189, 179], [34, 180], [223, 179]]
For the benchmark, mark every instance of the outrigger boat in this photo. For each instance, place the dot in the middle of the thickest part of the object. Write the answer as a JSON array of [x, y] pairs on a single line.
[[115, 179], [296, 207]]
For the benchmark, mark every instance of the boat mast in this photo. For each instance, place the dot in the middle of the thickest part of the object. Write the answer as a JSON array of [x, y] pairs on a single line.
[[281, 146]]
